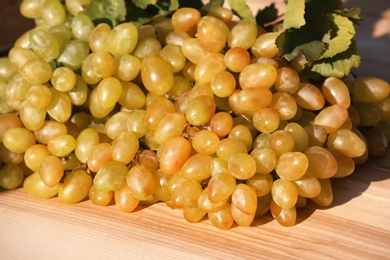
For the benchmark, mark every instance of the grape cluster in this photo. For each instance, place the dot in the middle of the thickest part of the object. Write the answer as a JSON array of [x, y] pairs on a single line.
[[194, 111]]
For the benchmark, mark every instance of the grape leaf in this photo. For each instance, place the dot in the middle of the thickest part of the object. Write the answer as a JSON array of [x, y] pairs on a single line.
[[144, 3], [344, 35], [353, 14], [339, 65], [109, 11], [294, 16], [242, 10], [140, 16]]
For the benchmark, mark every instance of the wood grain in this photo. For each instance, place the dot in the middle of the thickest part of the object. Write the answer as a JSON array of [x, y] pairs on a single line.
[[355, 226]]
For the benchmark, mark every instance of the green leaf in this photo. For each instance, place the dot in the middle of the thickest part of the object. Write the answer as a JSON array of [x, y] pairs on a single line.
[[110, 11], [294, 16], [353, 14], [242, 10], [140, 16], [267, 15], [144, 3], [207, 7], [339, 65]]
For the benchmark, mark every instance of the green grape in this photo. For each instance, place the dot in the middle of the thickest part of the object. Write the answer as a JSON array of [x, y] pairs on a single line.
[[181, 87], [81, 27], [31, 8], [32, 118], [193, 214], [34, 186], [308, 185], [264, 45], [35, 155], [186, 194], [63, 79], [125, 200], [174, 154], [111, 176], [62, 34], [287, 80], [17, 88], [260, 183], [369, 114], [132, 96], [244, 199], [376, 142], [284, 193], [173, 55], [108, 92], [284, 216], [161, 189], [98, 37], [51, 170], [11, 176], [124, 147], [371, 89], [79, 93], [99, 155], [157, 75], [74, 55], [53, 12], [176, 38], [149, 46], [136, 123], [98, 197], [123, 39], [192, 50], [222, 13], [300, 136], [95, 108], [200, 110], [44, 44], [228, 147], [37, 71], [257, 75], [222, 218], [208, 67], [185, 18], [242, 35], [169, 127], [218, 165], [61, 145], [236, 59], [38, 96], [8, 121], [197, 167], [75, 187], [18, 139]]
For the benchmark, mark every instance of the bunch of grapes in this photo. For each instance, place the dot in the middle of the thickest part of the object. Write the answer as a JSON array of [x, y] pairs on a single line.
[[197, 112]]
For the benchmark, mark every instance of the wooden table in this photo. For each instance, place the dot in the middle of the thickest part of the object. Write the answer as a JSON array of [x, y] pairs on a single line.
[[355, 226]]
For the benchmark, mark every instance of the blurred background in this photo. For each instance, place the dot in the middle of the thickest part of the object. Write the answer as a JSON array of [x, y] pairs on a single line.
[[373, 34]]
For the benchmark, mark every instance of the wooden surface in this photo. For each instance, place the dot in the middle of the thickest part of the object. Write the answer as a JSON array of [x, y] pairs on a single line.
[[355, 226]]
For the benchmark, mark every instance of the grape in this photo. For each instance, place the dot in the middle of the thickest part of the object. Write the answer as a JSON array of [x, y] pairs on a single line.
[[123, 39], [34, 186], [264, 45], [222, 218], [257, 75], [35, 156], [242, 35], [212, 34], [111, 176], [124, 199], [197, 167], [99, 198], [18, 139], [140, 181], [11, 176], [174, 154], [75, 187], [193, 214]]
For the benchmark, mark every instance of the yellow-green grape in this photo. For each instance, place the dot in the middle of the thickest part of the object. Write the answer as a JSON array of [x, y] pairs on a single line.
[[287, 80], [176, 38], [207, 205], [94, 105], [242, 35], [60, 107], [140, 181], [221, 123], [347, 142], [205, 142], [222, 218], [34, 186], [32, 118], [108, 92], [369, 114], [284, 104], [62, 34], [223, 84], [18, 56], [98, 37], [245, 199], [236, 59], [37, 71], [136, 124], [199, 90], [220, 187], [11, 176], [38, 96], [257, 75], [18, 139], [222, 13], [99, 155], [53, 12], [100, 198], [300, 136], [325, 197], [263, 205], [17, 88], [266, 120], [34, 156], [149, 159], [116, 124], [281, 141], [174, 154], [161, 189], [63, 79], [71, 163], [241, 165], [317, 135], [124, 147], [261, 140], [264, 45], [149, 46], [49, 129], [169, 127], [44, 44], [284, 193], [336, 92], [174, 180], [260, 183], [122, 39], [291, 165], [212, 34], [111, 176], [200, 110], [186, 194], [376, 142], [371, 89], [242, 133], [8, 121], [81, 27], [86, 140], [308, 185], [193, 214], [197, 167], [74, 54], [218, 165], [158, 109], [265, 159], [185, 18], [248, 101], [332, 117], [79, 93], [192, 50], [321, 162], [9, 157], [284, 216], [228, 147], [189, 70], [75, 187], [31, 8], [242, 219], [208, 67], [51, 170], [181, 87], [345, 164], [383, 107], [309, 97], [157, 75], [125, 200], [173, 55], [132, 96], [103, 64]]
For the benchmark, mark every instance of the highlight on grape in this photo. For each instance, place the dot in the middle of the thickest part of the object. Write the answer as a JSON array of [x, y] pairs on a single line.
[[199, 109]]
